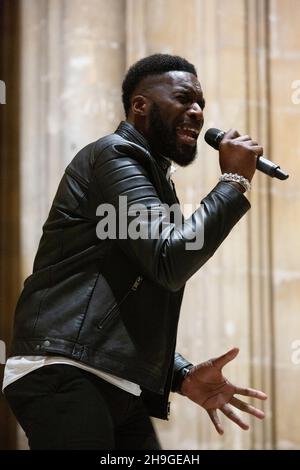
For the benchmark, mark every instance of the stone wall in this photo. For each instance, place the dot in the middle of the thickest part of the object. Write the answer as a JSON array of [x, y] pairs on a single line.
[[73, 57]]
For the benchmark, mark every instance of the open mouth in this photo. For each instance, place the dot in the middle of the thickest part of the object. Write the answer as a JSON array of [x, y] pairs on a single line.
[[187, 135]]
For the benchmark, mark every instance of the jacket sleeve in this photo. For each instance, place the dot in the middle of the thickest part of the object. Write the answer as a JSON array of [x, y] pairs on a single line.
[[180, 366], [162, 252]]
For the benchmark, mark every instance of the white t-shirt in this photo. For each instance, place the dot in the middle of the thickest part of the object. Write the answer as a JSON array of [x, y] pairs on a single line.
[[18, 366]]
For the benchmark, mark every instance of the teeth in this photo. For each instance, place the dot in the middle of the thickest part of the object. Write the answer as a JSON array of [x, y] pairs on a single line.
[[190, 129]]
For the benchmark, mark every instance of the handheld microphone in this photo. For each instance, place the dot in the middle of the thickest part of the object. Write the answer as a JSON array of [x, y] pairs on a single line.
[[214, 136]]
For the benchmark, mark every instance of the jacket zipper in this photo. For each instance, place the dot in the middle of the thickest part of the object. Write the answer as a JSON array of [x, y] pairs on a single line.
[[114, 309]]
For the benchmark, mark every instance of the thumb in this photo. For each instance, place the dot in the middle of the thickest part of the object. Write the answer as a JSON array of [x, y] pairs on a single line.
[[221, 361]]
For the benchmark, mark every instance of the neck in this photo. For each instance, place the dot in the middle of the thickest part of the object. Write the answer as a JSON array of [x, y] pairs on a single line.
[[138, 123], [163, 161]]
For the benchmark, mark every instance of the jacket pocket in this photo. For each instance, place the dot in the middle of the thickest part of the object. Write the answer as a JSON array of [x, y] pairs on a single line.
[[113, 311]]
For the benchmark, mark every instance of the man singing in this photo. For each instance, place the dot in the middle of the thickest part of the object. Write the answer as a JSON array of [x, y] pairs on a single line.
[[93, 353]]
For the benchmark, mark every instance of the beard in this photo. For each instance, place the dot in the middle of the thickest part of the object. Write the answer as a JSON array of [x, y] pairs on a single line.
[[163, 140]]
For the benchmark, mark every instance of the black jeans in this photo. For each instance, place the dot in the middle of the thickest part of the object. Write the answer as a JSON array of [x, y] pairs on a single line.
[[64, 407]]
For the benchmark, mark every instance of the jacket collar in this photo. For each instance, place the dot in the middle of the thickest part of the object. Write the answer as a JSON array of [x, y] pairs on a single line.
[[129, 132]]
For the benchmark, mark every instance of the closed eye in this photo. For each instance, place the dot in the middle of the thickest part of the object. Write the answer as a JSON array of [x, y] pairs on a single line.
[[186, 99], [202, 103]]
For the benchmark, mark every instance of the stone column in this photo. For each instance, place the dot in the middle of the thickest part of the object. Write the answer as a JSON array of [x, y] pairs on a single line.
[[72, 66], [9, 197], [259, 262], [284, 44], [73, 60]]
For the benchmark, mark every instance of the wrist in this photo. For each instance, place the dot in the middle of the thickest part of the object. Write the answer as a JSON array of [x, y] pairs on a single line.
[[184, 373], [236, 178]]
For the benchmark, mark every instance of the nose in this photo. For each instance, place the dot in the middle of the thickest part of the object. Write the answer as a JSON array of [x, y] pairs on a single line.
[[196, 112]]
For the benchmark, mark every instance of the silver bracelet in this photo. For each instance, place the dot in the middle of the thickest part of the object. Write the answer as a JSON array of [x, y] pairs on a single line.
[[237, 179]]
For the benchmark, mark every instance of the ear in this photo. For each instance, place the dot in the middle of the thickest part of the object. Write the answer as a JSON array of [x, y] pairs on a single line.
[[140, 105]]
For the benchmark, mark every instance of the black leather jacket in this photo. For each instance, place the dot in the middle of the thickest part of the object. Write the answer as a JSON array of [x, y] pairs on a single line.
[[114, 304]]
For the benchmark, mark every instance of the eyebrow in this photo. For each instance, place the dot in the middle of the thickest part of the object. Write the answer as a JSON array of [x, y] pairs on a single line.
[[187, 89]]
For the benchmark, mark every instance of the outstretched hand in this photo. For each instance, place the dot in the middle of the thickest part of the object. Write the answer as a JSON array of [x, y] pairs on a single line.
[[206, 385]]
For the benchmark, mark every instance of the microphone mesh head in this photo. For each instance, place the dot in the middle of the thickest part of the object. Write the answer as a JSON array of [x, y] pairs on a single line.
[[213, 137]]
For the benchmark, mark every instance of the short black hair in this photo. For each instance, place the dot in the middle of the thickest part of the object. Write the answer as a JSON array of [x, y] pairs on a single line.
[[154, 64]]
